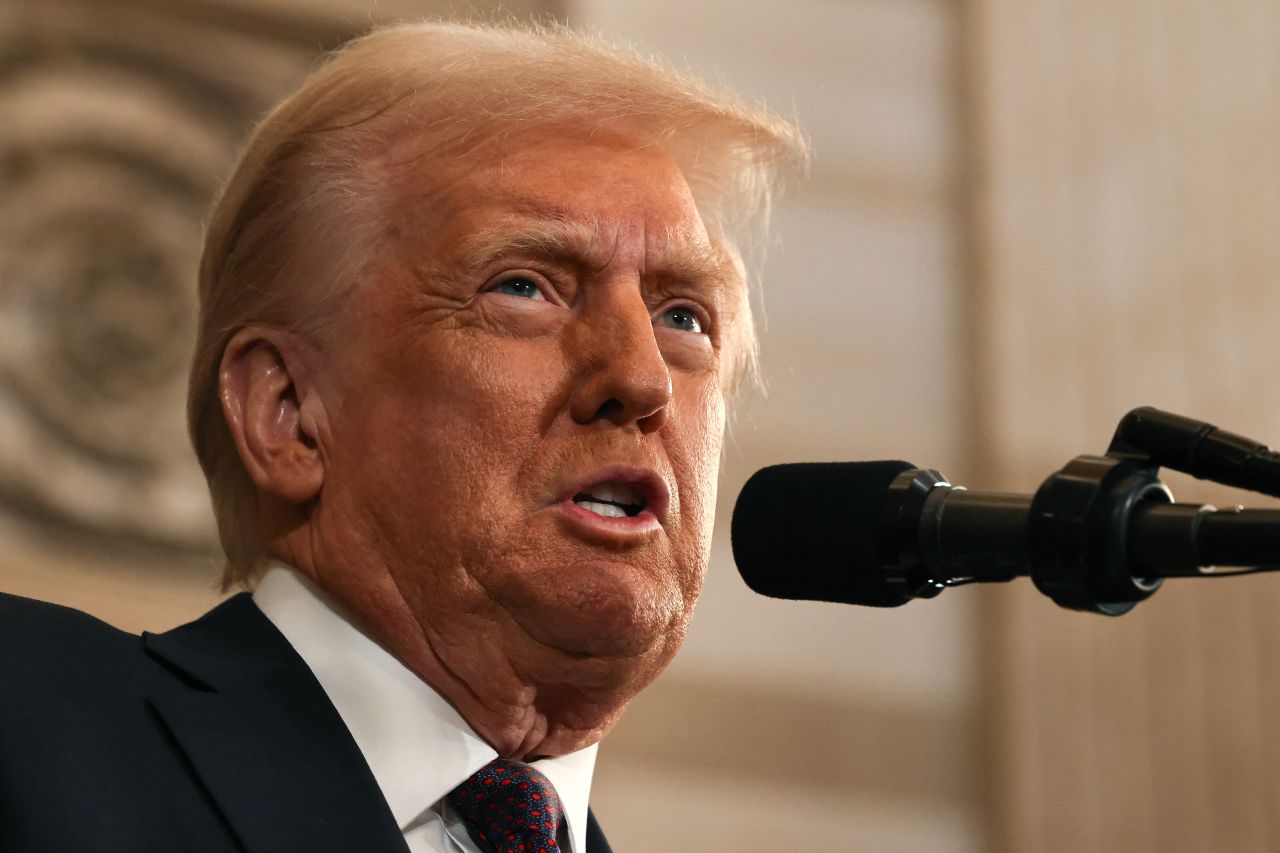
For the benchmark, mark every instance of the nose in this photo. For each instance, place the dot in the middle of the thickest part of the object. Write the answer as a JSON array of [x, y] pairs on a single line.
[[623, 378]]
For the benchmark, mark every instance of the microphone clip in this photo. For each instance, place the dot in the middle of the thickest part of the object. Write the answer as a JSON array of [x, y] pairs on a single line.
[[1094, 525], [1101, 534]]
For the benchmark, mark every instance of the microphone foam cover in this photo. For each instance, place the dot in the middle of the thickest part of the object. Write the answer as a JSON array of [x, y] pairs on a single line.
[[810, 531]]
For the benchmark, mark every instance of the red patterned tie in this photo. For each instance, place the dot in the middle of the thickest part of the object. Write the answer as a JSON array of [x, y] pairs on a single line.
[[509, 807]]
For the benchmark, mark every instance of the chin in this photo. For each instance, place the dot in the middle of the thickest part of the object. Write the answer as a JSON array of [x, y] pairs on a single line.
[[600, 609]]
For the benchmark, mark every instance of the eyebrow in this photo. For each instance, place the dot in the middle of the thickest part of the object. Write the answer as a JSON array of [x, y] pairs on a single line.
[[554, 235]]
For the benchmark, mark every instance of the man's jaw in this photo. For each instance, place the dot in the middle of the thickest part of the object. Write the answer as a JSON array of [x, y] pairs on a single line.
[[512, 708]]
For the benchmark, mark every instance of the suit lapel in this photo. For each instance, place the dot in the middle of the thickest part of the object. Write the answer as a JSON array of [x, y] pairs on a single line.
[[596, 842], [265, 741]]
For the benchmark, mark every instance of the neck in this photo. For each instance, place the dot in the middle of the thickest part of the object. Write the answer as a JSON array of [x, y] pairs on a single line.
[[540, 703]]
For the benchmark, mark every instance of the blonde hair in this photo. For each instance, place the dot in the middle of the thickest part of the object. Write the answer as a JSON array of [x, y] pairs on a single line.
[[302, 207]]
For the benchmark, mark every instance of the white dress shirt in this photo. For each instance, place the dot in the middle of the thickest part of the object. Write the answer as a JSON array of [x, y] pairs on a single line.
[[418, 747]]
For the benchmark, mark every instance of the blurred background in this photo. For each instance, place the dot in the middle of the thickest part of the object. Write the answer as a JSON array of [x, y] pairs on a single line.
[[1026, 217]]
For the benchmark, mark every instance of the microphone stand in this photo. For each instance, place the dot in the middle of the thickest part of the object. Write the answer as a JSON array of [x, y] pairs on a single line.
[[1101, 534]]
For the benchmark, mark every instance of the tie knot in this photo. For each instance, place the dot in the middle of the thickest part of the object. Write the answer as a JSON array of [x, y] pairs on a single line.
[[509, 807]]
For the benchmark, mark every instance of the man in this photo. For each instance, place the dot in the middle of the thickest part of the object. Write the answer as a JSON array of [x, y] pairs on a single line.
[[471, 312]]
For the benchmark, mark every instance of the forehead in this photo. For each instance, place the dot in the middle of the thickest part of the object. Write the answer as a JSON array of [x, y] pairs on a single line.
[[603, 194]]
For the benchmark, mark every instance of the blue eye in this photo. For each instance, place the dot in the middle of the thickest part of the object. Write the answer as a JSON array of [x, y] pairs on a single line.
[[519, 286], [683, 319]]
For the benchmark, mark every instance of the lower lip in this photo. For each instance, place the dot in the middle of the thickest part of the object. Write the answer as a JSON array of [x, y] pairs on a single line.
[[627, 528]]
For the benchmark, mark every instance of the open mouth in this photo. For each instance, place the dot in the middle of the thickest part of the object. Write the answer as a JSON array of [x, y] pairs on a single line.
[[612, 500]]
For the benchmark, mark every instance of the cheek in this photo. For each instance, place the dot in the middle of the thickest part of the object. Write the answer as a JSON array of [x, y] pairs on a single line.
[[695, 446], [445, 431], [486, 392]]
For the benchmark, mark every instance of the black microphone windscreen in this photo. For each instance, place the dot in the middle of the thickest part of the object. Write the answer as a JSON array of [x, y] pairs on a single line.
[[810, 531]]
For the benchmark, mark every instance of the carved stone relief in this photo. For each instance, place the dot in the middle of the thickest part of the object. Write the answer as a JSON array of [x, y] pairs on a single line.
[[117, 123]]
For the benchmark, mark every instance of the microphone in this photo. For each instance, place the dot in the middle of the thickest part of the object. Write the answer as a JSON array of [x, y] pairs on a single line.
[[1100, 535], [811, 531]]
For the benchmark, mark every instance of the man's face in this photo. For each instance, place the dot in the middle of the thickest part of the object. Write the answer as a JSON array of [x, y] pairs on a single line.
[[531, 413]]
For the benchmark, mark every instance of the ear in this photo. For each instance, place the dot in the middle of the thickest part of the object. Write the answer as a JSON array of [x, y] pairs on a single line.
[[273, 413]]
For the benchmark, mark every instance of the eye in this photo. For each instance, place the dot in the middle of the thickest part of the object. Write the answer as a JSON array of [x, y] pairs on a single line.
[[682, 318], [519, 285]]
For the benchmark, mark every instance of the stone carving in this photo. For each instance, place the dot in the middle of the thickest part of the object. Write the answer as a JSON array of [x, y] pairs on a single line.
[[119, 121], [106, 167]]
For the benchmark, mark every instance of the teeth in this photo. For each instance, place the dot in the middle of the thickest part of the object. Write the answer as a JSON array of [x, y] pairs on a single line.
[[616, 492], [607, 510]]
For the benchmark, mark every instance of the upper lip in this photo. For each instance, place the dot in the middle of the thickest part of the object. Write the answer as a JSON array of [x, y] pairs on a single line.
[[644, 480]]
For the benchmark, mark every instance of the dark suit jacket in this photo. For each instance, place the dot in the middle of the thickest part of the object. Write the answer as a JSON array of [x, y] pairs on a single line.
[[214, 736]]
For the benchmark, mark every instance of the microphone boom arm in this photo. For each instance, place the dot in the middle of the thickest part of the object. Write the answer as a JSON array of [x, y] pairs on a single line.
[[1099, 535]]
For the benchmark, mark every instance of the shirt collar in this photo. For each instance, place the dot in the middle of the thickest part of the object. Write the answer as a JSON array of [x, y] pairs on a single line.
[[418, 747]]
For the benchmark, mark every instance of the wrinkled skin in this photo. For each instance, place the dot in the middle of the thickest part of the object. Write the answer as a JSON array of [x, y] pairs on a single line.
[[470, 387]]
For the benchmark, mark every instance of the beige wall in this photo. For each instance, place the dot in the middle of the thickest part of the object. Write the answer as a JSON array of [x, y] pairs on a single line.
[[1126, 162]]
